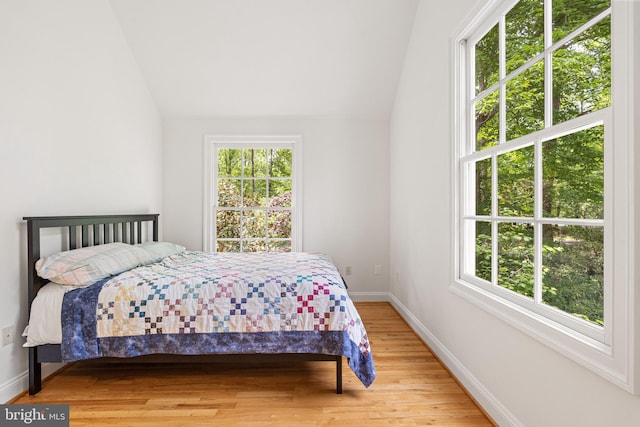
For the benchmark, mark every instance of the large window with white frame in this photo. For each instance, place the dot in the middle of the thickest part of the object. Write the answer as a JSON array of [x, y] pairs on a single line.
[[535, 181], [251, 194]]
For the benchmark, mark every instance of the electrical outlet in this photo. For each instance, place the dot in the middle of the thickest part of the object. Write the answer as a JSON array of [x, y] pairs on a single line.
[[8, 334], [347, 270], [377, 269]]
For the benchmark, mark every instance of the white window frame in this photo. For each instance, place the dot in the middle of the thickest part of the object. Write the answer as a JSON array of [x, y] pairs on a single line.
[[210, 168], [609, 351]]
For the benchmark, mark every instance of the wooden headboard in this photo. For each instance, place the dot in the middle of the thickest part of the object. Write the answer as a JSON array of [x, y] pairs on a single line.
[[87, 230]]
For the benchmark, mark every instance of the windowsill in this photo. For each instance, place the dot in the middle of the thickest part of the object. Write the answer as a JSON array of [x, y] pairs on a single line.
[[591, 354]]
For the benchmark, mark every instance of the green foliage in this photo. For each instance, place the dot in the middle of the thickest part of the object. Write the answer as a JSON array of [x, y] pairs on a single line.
[[573, 165], [483, 250], [487, 121], [573, 271], [582, 74], [483, 187], [515, 258], [487, 51], [573, 175], [524, 32], [254, 197], [568, 15], [525, 102], [515, 182]]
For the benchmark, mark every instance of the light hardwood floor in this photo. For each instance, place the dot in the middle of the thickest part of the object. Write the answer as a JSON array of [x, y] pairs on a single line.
[[411, 388]]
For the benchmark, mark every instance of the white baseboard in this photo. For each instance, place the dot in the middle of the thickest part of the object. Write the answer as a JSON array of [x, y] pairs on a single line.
[[369, 296], [14, 387], [483, 397], [20, 384]]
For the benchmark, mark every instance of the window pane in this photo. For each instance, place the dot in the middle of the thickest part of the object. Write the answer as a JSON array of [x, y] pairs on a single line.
[[227, 224], [525, 102], [227, 246], [254, 224], [582, 74], [515, 182], [279, 245], [280, 192], [229, 193], [279, 224], [488, 121], [255, 192], [573, 270], [531, 159], [254, 246], [229, 161], [483, 187], [255, 162], [568, 15], [515, 258], [251, 179], [487, 65], [573, 175], [524, 32], [483, 250], [280, 162]]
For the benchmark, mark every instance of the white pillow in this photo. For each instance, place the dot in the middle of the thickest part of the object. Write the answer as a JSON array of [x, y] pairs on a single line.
[[85, 266], [45, 326], [161, 250]]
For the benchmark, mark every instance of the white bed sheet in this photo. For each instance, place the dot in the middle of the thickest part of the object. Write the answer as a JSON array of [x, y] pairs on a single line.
[[45, 326]]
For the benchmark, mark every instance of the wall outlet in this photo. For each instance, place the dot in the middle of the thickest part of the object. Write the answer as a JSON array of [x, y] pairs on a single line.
[[8, 334], [347, 270], [377, 269]]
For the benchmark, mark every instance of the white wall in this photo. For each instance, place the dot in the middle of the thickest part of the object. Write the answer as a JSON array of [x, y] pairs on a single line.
[[519, 380], [79, 134], [636, 120], [345, 187]]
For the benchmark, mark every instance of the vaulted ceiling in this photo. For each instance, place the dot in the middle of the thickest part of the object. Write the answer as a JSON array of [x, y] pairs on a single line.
[[269, 57]]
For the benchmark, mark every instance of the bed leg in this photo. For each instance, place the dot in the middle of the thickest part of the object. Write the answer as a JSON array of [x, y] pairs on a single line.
[[35, 372], [339, 375]]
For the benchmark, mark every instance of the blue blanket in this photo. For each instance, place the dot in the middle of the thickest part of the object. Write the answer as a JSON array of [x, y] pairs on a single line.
[[219, 303]]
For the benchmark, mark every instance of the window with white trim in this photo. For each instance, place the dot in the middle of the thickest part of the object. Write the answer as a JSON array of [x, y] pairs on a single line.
[[534, 175], [251, 201]]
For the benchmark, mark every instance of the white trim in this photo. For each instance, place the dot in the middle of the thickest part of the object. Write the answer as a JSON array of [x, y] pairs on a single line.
[[623, 221], [590, 354], [614, 357], [369, 296], [14, 387], [208, 178], [258, 141], [498, 412], [19, 384], [574, 125]]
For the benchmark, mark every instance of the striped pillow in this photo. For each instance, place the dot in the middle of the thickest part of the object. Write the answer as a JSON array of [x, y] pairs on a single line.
[[160, 250], [85, 266]]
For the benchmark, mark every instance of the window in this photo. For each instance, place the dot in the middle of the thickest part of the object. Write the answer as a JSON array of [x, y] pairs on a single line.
[[251, 184], [536, 193]]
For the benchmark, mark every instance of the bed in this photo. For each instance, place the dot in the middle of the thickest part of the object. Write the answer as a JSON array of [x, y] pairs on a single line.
[[114, 291]]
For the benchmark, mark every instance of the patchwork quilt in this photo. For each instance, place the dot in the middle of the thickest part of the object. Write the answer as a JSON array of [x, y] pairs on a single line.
[[219, 303]]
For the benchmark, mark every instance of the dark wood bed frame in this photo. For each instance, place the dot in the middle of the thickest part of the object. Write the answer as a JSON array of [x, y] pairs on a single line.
[[90, 230]]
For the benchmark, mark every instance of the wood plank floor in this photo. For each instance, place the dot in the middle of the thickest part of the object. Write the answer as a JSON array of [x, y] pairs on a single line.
[[411, 388]]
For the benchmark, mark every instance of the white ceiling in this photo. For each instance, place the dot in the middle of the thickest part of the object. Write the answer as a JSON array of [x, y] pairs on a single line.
[[269, 57]]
